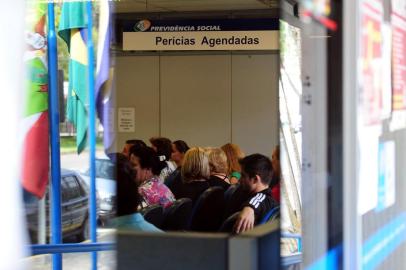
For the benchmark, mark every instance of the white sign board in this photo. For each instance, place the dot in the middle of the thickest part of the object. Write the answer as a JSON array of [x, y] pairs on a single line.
[[198, 41], [201, 34]]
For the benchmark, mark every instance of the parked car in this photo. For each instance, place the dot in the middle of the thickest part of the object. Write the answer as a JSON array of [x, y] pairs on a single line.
[[105, 188], [74, 208]]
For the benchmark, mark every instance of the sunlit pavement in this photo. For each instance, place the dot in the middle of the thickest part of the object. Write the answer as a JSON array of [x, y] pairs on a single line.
[[79, 261], [77, 162]]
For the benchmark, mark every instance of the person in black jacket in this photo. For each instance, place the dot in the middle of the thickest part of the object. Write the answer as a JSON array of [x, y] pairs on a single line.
[[255, 178]]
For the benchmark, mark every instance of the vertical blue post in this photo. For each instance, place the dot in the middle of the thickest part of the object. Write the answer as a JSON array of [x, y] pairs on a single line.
[[55, 143], [92, 133]]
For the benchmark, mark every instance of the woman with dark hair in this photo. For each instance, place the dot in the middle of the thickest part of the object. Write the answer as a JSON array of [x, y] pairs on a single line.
[[128, 198], [179, 149], [131, 143], [148, 166], [163, 147]]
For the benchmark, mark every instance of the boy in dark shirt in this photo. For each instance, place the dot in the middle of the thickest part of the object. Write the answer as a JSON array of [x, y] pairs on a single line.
[[255, 178]]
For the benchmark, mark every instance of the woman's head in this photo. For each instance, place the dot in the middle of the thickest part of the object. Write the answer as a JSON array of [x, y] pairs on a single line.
[[234, 154], [127, 198], [195, 165], [179, 149], [217, 161], [146, 163], [132, 143], [162, 146]]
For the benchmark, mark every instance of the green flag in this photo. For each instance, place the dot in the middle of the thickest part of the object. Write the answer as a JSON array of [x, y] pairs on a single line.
[[73, 30]]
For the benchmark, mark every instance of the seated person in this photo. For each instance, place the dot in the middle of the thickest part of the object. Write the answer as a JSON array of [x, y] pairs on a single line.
[[148, 167], [179, 149], [233, 153], [128, 198], [131, 143], [163, 147], [276, 177], [218, 168], [195, 171], [255, 178]]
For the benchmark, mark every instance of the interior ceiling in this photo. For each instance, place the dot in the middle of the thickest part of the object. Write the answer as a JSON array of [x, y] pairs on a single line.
[[140, 6]]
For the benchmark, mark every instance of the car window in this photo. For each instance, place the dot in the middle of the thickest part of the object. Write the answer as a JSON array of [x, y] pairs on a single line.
[[70, 188], [82, 187], [64, 191], [104, 169]]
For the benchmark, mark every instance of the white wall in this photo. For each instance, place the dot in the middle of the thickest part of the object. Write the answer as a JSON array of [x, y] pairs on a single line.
[[255, 114], [137, 86], [195, 99], [206, 100]]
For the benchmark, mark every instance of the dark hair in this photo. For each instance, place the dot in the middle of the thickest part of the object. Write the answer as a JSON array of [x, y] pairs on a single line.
[[163, 146], [127, 197], [181, 146], [148, 159], [257, 164], [140, 143], [135, 148]]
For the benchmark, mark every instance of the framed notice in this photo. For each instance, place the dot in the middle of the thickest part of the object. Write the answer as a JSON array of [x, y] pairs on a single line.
[[126, 119]]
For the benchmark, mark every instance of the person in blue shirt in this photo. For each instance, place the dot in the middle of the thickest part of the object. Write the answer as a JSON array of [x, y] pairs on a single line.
[[128, 198]]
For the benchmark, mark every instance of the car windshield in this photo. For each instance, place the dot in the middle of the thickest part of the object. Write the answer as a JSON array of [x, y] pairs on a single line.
[[104, 169]]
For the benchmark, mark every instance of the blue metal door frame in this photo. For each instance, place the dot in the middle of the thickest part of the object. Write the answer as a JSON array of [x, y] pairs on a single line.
[[57, 247]]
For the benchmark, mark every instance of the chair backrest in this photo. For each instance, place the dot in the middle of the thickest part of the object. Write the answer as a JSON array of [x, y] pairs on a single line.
[[228, 224], [177, 215], [153, 214], [207, 214], [234, 197], [272, 215], [229, 192]]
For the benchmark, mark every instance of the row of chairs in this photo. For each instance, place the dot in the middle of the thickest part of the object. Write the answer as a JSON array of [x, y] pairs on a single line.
[[207, 215]]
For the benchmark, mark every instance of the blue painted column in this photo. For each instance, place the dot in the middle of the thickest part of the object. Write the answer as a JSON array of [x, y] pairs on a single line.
[[92, 133], [56, 237]]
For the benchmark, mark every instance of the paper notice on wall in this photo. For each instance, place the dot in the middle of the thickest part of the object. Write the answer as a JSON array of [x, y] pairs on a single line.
[[386, 179], [126, 119], [368, 168]]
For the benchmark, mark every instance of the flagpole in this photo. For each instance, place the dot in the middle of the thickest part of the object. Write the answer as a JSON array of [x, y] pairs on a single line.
[[92, 132], [54, 133]]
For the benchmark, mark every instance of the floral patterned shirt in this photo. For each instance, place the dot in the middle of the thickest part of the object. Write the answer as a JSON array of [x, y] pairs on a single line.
[[155, 192]]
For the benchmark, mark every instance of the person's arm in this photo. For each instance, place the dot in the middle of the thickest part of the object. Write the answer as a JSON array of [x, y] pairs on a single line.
[[245, 220], [253, 210]]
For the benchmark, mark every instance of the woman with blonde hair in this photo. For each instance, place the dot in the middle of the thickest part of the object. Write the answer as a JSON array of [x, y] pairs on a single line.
[[195, 171], [218, 168], [234, 154]]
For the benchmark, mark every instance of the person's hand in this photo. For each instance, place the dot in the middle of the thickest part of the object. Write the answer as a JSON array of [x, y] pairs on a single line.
[[245, 220]]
